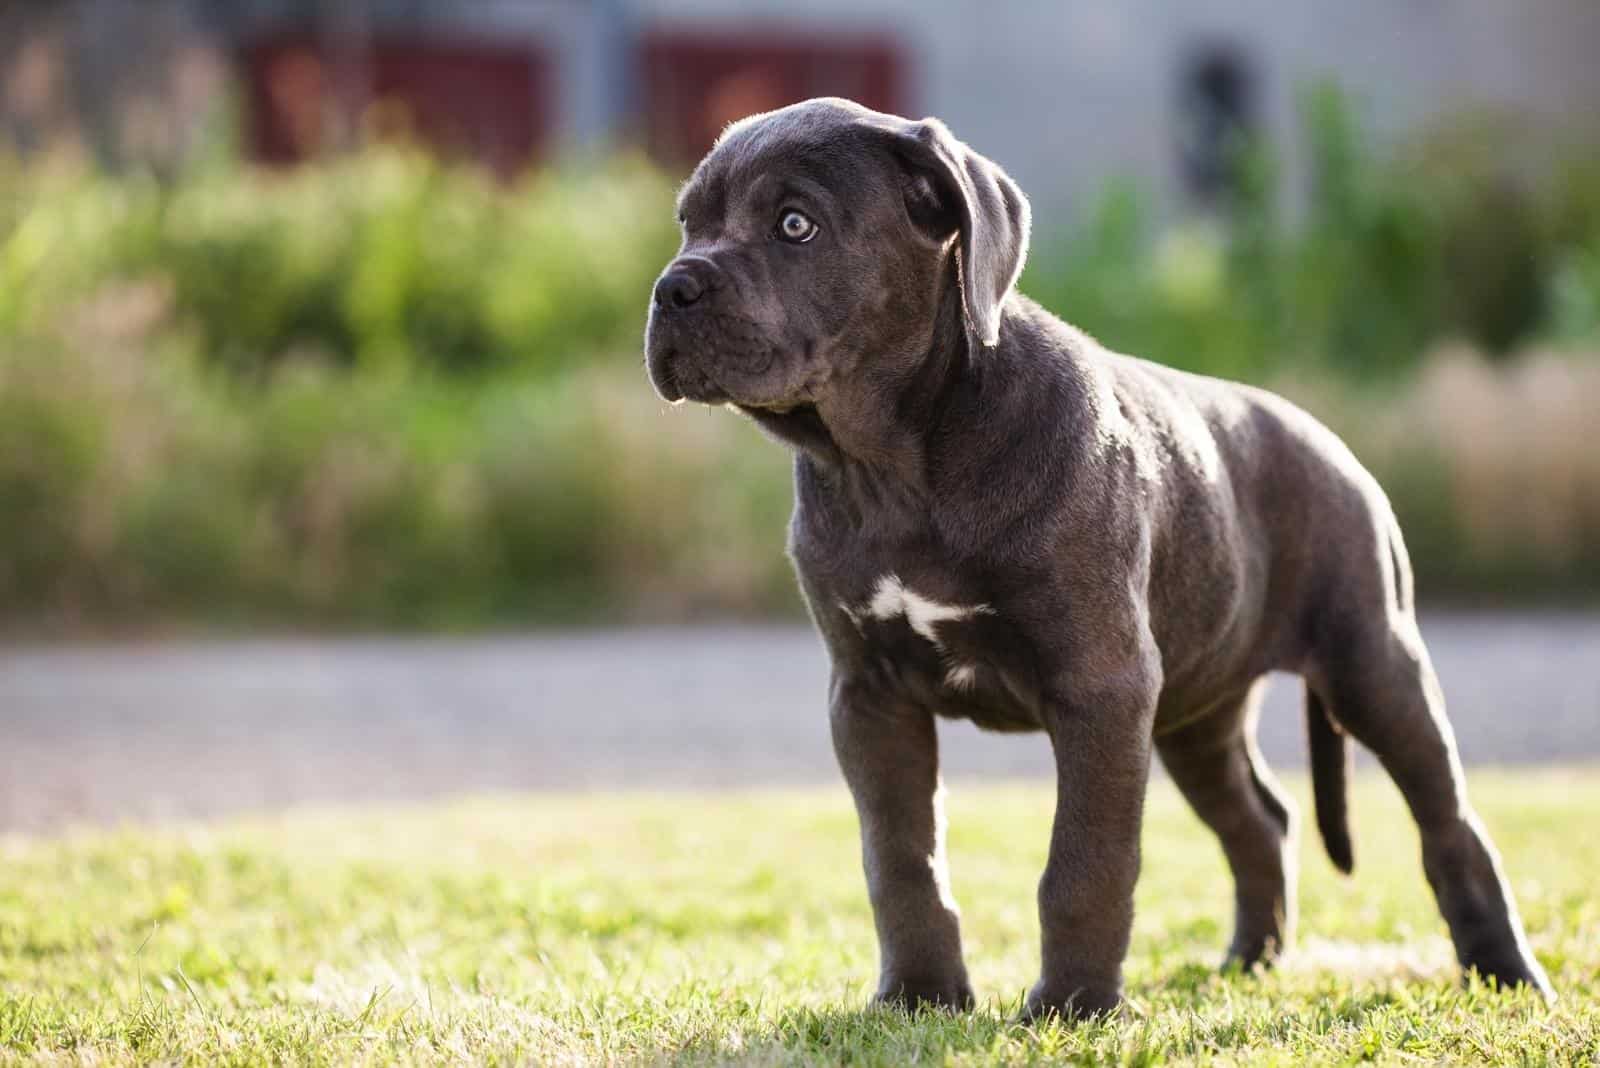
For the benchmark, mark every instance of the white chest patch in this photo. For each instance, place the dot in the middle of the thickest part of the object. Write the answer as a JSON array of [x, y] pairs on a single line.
[[891, 598]]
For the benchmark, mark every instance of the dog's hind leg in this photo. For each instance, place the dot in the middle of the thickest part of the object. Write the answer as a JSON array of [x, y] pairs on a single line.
[[1376, 679], [1216, 765]]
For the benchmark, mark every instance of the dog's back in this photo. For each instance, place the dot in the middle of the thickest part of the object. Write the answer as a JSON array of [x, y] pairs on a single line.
[[1269, 523]]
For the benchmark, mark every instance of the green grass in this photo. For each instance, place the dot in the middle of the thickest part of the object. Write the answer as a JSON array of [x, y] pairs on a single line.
[[666, 927]]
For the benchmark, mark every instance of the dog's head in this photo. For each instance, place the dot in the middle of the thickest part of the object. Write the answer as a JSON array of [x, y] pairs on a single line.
[[817, 248]]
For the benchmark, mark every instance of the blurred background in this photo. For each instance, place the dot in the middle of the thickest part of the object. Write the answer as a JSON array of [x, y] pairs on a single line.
[[324, 319]]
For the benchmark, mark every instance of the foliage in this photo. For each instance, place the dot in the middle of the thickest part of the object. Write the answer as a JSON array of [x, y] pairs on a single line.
[[1491, 469], [708, 929], [380, 260], [387, 391], [1457, 236], [142, 490], [392, 259], [139, 491]]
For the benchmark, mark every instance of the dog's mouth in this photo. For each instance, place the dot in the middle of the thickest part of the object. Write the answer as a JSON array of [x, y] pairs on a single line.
[[790, 409], [797, 421], [665, 377], [702, 370], [679, 380]]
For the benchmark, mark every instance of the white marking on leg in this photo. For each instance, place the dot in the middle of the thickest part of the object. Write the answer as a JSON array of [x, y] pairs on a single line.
[[938, 860]]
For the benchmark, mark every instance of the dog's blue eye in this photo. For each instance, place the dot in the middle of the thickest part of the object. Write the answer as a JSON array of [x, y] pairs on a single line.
[[796, 227]]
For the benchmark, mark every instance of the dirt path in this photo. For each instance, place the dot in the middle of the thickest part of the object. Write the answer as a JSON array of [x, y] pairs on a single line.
[[151, 731]]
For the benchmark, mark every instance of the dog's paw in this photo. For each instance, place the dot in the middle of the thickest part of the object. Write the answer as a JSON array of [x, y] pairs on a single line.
[[1512, 970], [1249, 954], [1071, 1003], [952, 994]]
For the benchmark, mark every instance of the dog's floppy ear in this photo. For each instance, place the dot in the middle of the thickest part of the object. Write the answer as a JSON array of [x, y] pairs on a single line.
[[983, 202]]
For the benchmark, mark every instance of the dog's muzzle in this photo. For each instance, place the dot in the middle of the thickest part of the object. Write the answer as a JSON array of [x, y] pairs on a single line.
[[679, 320]]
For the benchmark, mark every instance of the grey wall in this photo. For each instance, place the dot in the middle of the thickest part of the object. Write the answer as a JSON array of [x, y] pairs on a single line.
[[1068, 94]]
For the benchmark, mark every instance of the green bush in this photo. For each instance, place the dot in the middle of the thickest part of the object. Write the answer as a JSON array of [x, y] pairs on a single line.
[[387, 259], [1446, 238]]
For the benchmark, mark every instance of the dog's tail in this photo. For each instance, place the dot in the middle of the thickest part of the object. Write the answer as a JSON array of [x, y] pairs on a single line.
[[1330, 775]]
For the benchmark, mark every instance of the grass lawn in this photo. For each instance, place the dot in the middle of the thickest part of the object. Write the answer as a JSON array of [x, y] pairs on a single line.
[[735, 927]]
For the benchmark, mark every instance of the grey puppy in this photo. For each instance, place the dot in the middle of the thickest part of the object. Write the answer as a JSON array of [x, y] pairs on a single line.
[[997, 519]]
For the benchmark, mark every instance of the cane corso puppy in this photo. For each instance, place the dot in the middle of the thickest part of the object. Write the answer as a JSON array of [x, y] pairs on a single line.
[[997, 519]]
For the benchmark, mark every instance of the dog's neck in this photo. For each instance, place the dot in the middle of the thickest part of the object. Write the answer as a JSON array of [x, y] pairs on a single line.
[[871, 439]]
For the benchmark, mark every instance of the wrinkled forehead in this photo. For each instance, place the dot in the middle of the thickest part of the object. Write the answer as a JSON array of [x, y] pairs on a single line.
[[819, 152]]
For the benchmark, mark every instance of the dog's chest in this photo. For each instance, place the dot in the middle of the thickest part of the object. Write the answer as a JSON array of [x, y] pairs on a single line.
[[920, 638]]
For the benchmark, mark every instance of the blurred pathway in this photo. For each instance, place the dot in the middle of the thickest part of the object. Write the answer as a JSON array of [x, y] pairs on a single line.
[[152, 731]]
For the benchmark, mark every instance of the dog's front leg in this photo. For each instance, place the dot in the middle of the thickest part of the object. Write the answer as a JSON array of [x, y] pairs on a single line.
[[1102, 749], [889, 753]]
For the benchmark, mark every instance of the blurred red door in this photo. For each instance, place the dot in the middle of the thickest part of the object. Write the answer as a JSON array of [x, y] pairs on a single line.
[[693, 83], [478, 101]]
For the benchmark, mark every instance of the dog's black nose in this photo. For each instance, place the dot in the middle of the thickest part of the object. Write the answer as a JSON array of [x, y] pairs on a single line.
[[678, 288]]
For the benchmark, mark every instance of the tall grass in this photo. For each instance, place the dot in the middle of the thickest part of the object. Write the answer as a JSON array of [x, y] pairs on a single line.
[[1491, 467], [140, 494], [139, 489]]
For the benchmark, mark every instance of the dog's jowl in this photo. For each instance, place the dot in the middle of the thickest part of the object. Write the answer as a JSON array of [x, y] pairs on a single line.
[[997, 519]]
